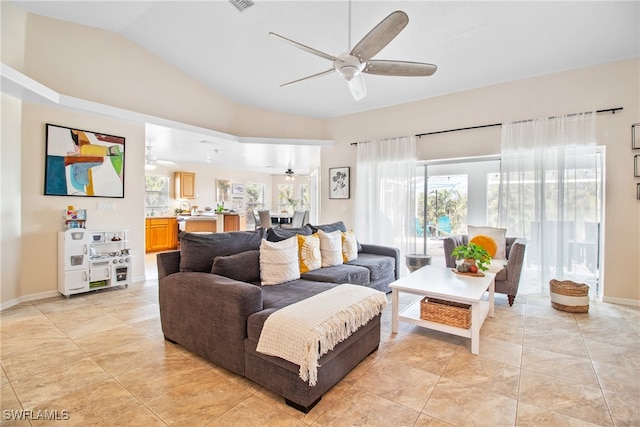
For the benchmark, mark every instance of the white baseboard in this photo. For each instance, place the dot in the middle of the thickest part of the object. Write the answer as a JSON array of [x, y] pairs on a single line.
[[622, 301], [31, 297]]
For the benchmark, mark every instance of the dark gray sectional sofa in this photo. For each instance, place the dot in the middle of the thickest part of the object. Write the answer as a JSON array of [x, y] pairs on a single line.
[[211, 303]]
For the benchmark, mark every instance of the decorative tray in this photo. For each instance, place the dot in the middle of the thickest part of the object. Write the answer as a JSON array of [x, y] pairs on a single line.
[[478, 274]]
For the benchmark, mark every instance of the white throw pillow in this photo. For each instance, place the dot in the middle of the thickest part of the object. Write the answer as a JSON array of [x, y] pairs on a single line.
[[330, 248], [349, 246], [279, 261], [494, 240]]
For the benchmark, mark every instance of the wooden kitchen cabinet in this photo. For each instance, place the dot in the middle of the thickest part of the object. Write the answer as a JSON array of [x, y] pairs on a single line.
[[161, 234], [185, 185], [235, 222]]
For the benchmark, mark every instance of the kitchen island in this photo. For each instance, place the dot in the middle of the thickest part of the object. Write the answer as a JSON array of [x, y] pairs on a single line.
[[214, 223]]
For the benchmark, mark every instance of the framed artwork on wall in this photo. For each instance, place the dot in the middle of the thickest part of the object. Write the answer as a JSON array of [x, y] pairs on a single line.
[[339, 183], [223, 189], [636, 165], [83, 163], [635, 136], [237, 188]]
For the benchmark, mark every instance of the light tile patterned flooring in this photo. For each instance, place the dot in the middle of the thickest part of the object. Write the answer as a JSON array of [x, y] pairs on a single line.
[[101, 357]]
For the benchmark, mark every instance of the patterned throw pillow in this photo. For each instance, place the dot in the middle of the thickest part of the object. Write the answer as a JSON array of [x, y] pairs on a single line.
[[349, 246], [309, 253], [279, 261], [494, 240], [331, 248]]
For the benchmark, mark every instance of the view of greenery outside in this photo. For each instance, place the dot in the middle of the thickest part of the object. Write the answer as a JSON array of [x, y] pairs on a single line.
[[254, 194], [442, 202], [305, 203], [580, 186], [156, 192], [286, 200]]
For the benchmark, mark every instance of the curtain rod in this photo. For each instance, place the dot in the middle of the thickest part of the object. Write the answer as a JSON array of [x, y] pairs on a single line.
[[419, 135], [608, 110]]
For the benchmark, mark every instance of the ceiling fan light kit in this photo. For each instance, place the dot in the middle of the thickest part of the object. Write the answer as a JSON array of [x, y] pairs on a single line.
[[352, 65], [289, 175]]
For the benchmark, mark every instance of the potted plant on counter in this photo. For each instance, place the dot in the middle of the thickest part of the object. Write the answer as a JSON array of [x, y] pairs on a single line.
[[472, 255]]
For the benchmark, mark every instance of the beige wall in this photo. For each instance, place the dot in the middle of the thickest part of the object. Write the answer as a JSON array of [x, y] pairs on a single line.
[[10, 191], [116, 72], [41, 216], [592, 88]]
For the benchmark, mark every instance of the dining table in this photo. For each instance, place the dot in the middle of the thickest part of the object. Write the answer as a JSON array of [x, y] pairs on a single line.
[[281, 218]]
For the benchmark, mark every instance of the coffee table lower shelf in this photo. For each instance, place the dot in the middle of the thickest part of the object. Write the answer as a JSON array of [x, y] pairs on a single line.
[[411, 314]]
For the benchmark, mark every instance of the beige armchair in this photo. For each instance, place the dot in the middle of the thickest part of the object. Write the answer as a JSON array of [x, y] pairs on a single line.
[[507, 279]]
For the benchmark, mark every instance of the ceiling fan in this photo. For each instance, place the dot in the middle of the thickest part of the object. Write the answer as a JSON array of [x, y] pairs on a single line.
[[351, 65], [150, 161]]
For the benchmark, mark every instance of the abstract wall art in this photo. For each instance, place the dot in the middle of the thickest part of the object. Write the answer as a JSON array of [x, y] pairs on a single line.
[[83, 163]]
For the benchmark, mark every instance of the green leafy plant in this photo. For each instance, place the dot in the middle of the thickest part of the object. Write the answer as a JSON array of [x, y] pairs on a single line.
[[474, 252]]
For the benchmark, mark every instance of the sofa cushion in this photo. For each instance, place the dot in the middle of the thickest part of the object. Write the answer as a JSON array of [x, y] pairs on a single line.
[[340, 274], [328, 228], [280, 234], [330, 248], [379, 266], [279, 261], [197, 251], [309, 252], [349, 246], [244, 266]]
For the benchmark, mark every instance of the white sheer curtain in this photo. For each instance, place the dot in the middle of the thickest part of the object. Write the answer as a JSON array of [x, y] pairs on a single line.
[[385, 193], [550, 193]]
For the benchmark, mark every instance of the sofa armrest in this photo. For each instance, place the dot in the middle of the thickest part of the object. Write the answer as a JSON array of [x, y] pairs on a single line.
[[168, 263], [449, 244], [384, 250], [207, 314]]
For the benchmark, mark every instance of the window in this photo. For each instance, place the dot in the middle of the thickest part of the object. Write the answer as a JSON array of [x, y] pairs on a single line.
[[255, 195], [305, 197], [156, 192], [286, 200]]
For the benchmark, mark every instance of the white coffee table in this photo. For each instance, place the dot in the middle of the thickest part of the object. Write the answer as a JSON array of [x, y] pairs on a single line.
[[442, 283]]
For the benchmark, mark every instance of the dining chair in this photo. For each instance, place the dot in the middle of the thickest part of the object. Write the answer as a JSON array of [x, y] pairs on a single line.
[[256, 219], [296, 221], [265, 219]]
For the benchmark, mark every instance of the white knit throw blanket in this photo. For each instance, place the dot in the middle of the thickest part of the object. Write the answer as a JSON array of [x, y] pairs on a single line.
[[302, 332]]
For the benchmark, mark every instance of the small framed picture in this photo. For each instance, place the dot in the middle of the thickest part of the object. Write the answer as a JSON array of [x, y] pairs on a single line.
[[339, 183], [237, 188], [636, 165], [638, 191], [635, 136]]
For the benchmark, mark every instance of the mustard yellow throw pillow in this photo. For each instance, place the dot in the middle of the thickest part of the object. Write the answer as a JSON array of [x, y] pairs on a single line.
[[309, 252], [349, 246]]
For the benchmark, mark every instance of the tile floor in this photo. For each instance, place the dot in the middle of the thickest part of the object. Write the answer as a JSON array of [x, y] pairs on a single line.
[[100, 359]]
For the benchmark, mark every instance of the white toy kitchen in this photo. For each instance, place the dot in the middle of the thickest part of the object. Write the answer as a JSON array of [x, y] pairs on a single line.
[[92, 259]]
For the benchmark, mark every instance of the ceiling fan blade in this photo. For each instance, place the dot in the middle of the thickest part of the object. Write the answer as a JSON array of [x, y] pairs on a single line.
[[304, 47], [166, 162], [399, 68], [309, 77], [380, 35]]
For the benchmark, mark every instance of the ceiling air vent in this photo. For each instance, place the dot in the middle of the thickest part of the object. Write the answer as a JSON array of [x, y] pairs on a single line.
[[241, 5]]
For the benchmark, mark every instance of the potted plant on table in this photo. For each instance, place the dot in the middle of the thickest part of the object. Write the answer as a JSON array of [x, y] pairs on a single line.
[[474, 257]]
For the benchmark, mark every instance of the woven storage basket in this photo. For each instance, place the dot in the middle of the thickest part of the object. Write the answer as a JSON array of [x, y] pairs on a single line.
[[569, 296], [447, 312]]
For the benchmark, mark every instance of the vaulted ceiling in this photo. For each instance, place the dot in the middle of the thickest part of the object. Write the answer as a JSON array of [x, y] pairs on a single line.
[[474, 44]]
